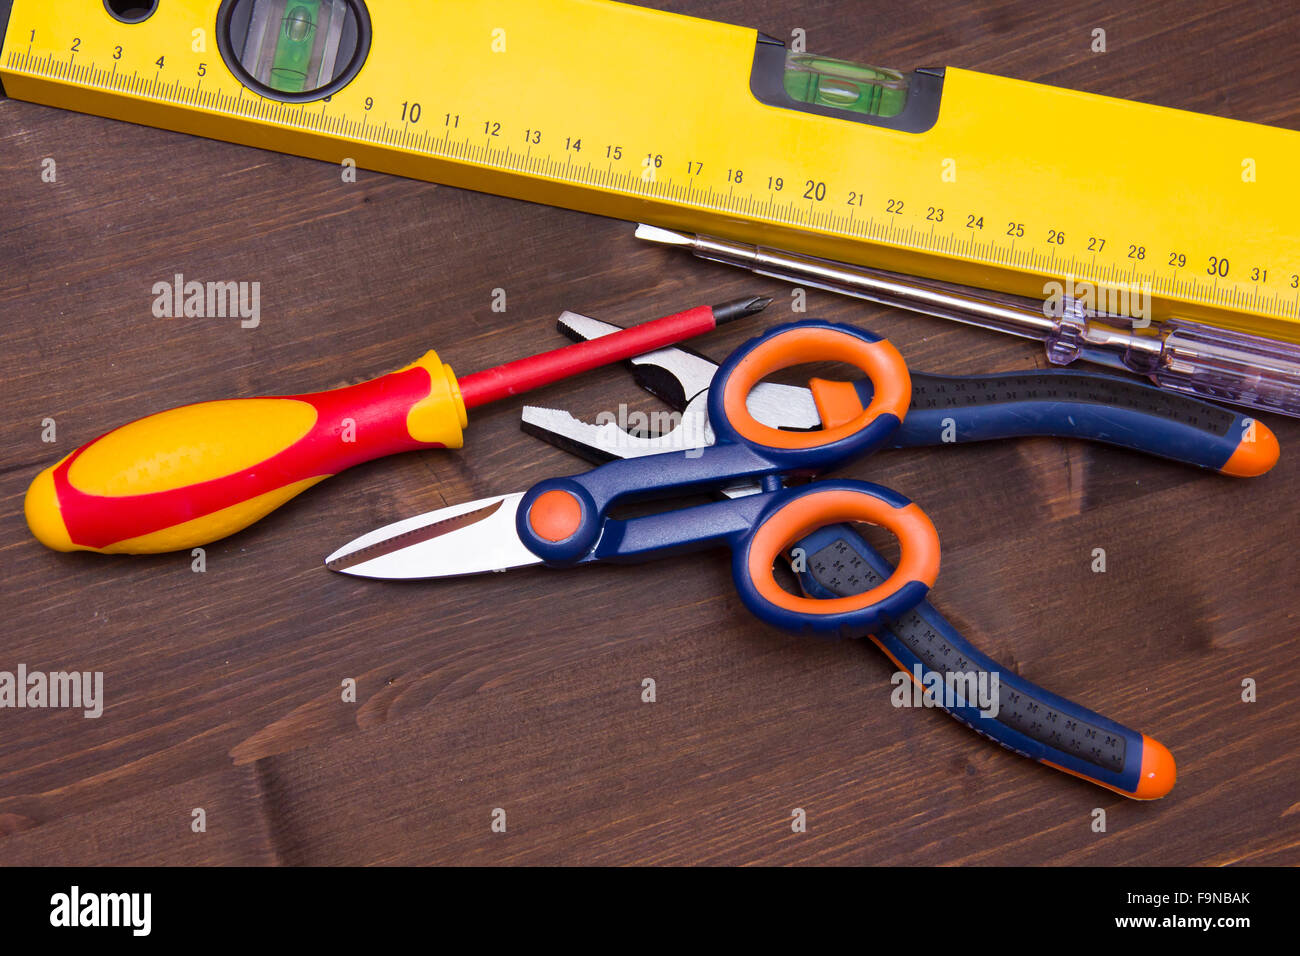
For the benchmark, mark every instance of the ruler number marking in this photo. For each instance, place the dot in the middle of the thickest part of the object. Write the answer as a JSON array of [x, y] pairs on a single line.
[[743, 196]]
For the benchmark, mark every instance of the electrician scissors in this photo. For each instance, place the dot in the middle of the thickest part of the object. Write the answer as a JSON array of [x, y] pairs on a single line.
[[565, 521]]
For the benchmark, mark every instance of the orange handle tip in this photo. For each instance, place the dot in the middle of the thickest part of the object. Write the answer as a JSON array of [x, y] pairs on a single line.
[[1256, 454]]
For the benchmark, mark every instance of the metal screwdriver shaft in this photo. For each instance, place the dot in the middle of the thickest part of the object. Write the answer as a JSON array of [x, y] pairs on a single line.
[[1177, 354]]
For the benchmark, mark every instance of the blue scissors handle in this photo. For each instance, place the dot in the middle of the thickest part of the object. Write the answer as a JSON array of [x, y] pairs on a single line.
[[793, 514], [849, 427], [565, 521]]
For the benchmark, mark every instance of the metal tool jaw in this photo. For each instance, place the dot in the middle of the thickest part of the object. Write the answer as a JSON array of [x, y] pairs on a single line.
[[678, 377]]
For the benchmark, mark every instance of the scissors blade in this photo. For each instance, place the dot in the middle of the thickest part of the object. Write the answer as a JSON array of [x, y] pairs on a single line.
[[467, 538]]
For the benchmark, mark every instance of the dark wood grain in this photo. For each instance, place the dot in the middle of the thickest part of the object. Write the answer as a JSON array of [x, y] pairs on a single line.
[[523, 691]]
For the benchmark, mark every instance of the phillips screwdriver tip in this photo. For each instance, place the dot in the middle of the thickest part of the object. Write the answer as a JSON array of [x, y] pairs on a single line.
[[739, 308]]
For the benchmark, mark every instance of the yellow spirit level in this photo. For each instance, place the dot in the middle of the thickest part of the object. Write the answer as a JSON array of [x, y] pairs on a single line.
[[709, 128]]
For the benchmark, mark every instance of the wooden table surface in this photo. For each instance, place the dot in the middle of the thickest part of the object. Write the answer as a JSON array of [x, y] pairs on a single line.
[[523, 691]]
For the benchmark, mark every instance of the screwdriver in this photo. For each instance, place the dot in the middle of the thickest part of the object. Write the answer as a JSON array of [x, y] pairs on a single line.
[[190, 475], [1213, 364]]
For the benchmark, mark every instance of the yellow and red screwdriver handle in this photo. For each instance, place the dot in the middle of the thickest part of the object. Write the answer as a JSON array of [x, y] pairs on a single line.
[[190, 475]]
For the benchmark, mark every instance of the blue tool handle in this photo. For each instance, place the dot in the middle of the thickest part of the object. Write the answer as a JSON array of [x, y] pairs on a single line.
[[1070, 404], [972, 687], [852, 432], [557, 521]]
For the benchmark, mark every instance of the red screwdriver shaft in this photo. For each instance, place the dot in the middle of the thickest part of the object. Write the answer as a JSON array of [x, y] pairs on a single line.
[[538, 370]]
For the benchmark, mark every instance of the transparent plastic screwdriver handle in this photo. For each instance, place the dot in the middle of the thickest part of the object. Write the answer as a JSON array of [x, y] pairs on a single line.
[[1217, 364], [1182, 356]]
